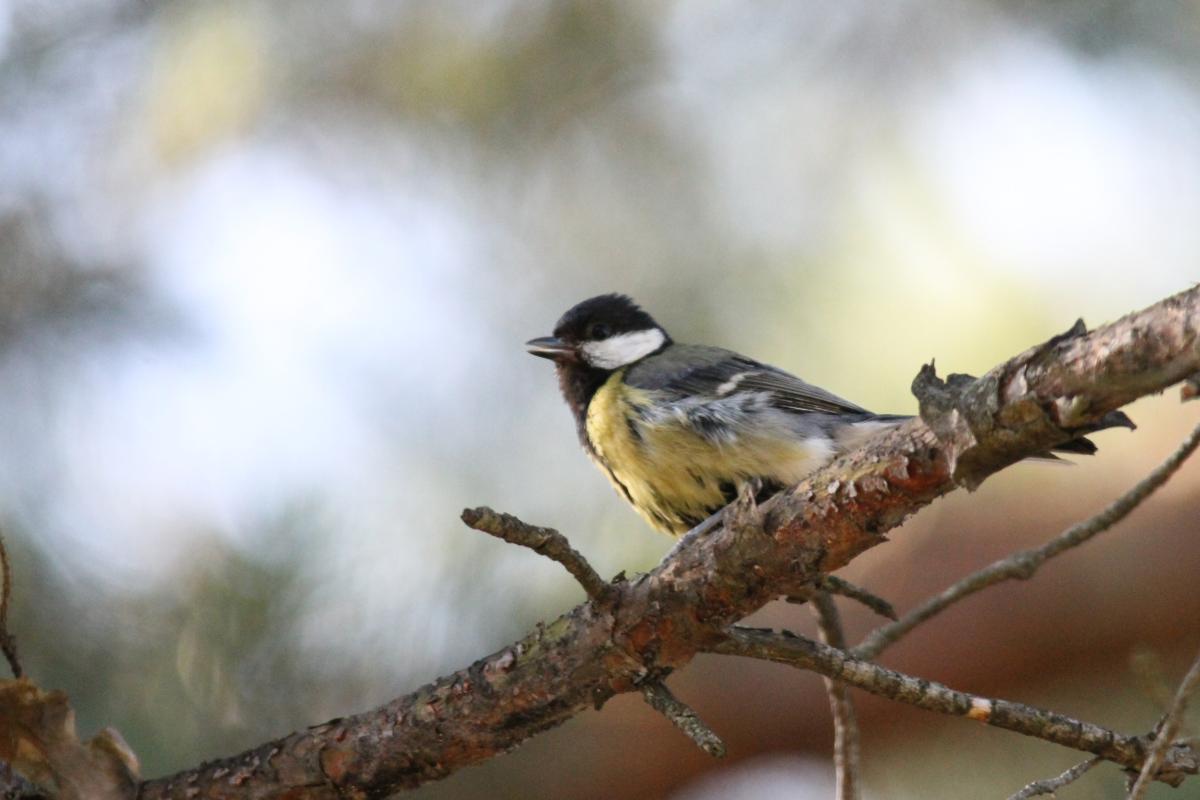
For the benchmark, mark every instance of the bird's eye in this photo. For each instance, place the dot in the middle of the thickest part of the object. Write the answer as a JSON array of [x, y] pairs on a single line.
[[599, 331]]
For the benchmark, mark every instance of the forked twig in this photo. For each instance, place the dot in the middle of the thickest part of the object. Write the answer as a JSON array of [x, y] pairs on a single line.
[[1167, 731], [553, 545]]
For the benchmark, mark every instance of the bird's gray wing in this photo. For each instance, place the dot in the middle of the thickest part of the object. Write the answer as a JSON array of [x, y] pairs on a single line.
[[697, 373]]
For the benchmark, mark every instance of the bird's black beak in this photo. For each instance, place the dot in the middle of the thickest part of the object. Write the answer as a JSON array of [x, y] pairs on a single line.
[[550, 347]]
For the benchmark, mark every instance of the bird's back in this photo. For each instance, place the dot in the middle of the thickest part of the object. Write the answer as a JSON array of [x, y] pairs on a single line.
[[680, 432]]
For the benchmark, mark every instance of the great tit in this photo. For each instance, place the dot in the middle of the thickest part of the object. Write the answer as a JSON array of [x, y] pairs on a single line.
[[680, 428]]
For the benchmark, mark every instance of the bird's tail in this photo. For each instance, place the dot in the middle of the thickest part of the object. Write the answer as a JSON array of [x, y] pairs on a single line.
[[1083, 446], [1080, 446]]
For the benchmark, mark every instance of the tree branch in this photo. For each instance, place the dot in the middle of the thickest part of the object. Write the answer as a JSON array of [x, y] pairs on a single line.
[[659, 697], [1167, 731], [545, 541], [553, 545], [8, 642], [845, 726], [1035, 401], [1052, 785], [1025, 564], [839, 586], [1128, 751]]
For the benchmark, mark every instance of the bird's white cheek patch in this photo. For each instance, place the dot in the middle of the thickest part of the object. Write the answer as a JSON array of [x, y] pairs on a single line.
[[617, 351]]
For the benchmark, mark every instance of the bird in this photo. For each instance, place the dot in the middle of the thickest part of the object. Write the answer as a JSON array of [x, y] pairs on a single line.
[[680, 429]]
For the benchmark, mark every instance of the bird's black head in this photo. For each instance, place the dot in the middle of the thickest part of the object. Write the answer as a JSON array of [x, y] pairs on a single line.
[[603, 333]]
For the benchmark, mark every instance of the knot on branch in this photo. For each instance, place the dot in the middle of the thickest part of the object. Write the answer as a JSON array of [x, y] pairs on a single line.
[[1174, 763], [1025, 564], [988, 423]]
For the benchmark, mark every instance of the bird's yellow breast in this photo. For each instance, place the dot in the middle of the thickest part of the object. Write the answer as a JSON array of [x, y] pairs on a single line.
[[673, 475]]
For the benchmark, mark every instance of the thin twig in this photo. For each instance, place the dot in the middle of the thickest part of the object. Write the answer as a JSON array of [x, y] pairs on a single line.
[[1167, 731], [785, 648], [845, 726], [1052, 785], [681, 716], [553, 545], [840, 586], [1025, 563], [8, 642], [545, 541]]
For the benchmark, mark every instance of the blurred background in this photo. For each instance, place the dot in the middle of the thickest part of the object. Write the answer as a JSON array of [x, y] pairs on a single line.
[[265, 274]]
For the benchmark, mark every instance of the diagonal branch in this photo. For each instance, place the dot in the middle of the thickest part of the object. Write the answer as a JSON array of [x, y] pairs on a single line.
[[545, 541], [1024, 564], [1128, 751], [1033, 402], [660, 698]]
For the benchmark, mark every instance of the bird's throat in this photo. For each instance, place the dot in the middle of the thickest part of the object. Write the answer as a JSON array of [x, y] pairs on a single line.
[[579, 384]]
